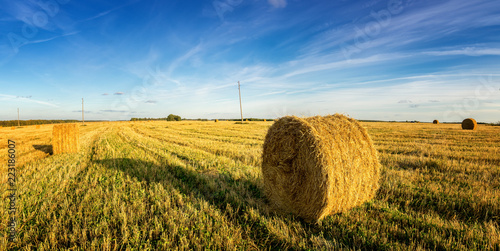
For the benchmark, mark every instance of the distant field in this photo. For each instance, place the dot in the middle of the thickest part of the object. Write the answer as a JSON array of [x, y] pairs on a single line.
[[197, 185]]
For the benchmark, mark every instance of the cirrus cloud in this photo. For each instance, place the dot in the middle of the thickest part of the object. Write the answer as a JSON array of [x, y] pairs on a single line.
[[277, 3]]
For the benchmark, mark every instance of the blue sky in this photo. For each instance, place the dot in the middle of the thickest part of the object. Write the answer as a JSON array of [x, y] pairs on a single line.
[[385, 60]]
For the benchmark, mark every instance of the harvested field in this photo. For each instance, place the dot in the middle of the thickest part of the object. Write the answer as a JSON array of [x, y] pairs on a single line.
[[198, 185]]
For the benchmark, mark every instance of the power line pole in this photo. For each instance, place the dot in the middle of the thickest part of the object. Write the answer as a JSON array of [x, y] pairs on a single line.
[[241, 110], [83, 119], [18, 123]]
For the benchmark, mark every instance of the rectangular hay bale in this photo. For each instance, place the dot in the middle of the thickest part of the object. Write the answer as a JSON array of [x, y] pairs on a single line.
[[65, 138]]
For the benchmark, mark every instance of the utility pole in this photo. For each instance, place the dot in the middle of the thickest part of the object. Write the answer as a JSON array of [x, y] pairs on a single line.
[[83, 119], [241, 110], [18, 123]]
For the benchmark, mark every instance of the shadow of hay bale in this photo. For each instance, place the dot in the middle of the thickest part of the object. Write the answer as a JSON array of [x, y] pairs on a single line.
[[247, 196], [44, 148]]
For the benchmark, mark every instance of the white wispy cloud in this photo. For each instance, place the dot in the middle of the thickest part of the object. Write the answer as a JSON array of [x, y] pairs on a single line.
[[27, 100], [341, 63], [51, 38], [177, 62], [21, 10], [105, 13], [468, 51], [270, 93], [374, 34], [39, 15], [440, 19], [277, 3]]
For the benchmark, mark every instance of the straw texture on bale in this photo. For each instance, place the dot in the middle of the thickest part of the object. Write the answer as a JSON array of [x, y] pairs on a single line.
[[316, 166], [65, 138], [469, 124], [435, 121]]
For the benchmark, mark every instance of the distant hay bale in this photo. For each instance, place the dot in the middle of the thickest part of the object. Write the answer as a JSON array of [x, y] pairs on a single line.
[[65, 138], [13, 128], [316, 166], [435, 121], [37, 126], [216, 120], [265, 120], [469, 124]]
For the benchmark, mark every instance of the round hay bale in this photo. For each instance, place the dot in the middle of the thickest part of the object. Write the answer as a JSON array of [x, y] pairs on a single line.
[[216, 120], [265, 120], [469, 124], [316, 166], [435, 121]]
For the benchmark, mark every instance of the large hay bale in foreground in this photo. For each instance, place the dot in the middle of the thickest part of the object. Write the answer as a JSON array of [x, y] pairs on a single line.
[[435, 121], [316, 166], [65, 138], [469, 124]]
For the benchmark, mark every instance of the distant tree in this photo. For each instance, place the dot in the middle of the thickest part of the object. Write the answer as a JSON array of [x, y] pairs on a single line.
[[173, 117]]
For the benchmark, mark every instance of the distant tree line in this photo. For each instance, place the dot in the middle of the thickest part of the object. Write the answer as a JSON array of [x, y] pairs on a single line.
[[244, 119], [249, 119], [170, 117], [34, 122]]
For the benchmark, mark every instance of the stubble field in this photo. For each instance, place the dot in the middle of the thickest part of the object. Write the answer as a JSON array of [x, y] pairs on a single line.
[[197, 185]]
